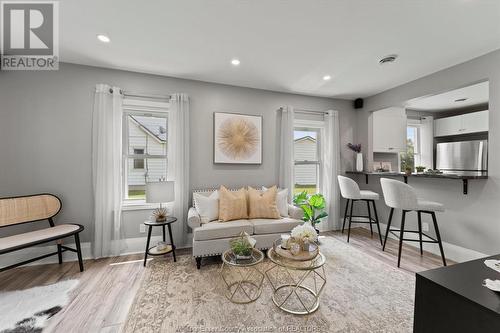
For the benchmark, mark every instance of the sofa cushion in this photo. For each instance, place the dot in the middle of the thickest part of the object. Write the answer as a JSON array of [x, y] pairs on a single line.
[[262, 204], [232, 205], [274, 226], [207, 206], [215, 230], [281, 200]]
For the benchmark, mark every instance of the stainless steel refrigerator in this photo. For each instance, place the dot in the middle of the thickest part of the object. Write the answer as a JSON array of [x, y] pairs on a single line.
[[462, 156]]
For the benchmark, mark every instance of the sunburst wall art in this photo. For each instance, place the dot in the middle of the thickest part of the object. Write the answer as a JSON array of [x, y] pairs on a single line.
[[237, 138]]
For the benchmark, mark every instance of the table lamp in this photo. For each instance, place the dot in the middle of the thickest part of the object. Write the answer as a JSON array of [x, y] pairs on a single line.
[[160, 192]]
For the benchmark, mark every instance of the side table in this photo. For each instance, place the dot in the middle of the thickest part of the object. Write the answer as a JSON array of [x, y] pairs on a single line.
[[153, 251]]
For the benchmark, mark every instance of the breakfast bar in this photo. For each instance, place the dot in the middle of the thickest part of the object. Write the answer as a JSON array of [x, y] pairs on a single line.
[[465, 176]]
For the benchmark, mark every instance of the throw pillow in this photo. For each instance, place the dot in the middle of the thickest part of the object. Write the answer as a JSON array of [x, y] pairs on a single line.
[[232, 205], [207, 206], [262, 204], [281, 201]]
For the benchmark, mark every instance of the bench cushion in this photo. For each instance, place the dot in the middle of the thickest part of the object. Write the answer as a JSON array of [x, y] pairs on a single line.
[[215, 230], [274, 226], [11, 242]]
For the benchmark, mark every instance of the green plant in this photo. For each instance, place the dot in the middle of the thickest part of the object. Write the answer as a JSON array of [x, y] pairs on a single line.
[[312, 205], [420, 168], [241, 246]]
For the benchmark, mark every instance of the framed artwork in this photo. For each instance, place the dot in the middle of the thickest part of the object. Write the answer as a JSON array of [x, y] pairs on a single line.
[[237, 138]]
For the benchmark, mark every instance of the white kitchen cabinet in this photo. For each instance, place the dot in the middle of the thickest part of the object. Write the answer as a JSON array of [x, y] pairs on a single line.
[[475, 122], [389, 130], [447, 126], [466, 123]]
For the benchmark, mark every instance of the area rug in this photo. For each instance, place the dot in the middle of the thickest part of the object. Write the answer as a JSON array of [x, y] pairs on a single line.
[[362, 294], [28, 311]]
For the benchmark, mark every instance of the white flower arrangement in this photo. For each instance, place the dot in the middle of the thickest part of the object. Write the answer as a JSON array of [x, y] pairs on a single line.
[[305, 232]]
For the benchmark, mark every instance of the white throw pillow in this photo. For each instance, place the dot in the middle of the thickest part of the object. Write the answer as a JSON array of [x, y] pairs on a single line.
[[207, 206], [281, 201]]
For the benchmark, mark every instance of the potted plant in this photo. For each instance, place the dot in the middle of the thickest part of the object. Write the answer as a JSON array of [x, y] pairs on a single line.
[[420, 169], [242, 246], [313, 207], [359, 157]]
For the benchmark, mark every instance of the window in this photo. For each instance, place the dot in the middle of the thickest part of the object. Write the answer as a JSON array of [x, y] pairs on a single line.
[[145, 133], [307, 159], [411, 157], [138, 162]]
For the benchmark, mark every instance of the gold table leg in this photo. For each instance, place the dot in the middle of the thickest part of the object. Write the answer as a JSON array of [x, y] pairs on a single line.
[[249, 288], [296, 290]]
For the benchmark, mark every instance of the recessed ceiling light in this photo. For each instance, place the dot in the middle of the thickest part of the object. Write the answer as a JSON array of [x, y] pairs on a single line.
[[235, 62], [103, 38], [388, 59], [327, 77], [461, 100]]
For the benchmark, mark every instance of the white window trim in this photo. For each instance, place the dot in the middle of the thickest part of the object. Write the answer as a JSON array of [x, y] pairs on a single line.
[[140, 107]]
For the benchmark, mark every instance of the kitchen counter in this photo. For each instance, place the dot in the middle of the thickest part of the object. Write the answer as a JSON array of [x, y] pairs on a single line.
[[461, 175]]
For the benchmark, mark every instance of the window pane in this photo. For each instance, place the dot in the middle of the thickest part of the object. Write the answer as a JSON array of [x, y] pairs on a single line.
[[408, 157], [153, 169], [147, 134], [306, 178], [305, 145]]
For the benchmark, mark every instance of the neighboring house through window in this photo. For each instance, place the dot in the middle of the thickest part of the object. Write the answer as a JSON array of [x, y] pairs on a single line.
[[145, 134], [307, 156], [138, 162]]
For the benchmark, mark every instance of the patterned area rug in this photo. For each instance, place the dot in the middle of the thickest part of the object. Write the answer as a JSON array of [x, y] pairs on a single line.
[[27, 311], [361, 295]]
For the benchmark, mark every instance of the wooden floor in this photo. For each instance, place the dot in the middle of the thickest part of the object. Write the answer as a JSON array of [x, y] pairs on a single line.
[[107, 287]]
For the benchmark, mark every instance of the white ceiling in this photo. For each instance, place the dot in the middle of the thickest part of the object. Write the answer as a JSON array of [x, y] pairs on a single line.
[[283, 45], [476, 94]]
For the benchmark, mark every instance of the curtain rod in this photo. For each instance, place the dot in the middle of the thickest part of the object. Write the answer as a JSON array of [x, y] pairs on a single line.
[[133, 94], [306, 110]]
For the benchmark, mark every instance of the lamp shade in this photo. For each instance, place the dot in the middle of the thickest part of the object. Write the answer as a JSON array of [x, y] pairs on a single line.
[[160, 192]]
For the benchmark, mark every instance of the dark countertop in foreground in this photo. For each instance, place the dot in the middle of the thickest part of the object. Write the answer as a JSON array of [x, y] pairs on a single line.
[[446, 175]]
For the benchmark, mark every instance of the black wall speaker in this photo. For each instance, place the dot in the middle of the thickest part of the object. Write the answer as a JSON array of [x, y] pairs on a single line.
[[358, 103]]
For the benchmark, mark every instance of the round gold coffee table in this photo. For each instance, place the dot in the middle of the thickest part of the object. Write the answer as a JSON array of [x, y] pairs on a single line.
[[297, 284], [242, 277]]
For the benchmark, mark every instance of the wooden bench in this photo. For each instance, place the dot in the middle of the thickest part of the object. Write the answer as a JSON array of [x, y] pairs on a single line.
[[35, 208]]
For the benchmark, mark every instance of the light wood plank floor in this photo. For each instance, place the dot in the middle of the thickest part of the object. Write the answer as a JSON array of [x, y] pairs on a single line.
[[107, 287]]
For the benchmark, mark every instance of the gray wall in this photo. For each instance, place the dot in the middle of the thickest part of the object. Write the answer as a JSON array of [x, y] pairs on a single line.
[[471, 221], [45, 133]]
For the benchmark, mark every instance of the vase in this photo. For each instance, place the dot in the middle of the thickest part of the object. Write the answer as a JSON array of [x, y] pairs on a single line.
[[359, 162]]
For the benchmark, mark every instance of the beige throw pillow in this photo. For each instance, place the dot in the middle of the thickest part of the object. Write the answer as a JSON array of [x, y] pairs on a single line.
[[262, 204], [232, 205]]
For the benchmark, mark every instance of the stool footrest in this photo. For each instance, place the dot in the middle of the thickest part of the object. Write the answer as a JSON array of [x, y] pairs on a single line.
[[429, 240]]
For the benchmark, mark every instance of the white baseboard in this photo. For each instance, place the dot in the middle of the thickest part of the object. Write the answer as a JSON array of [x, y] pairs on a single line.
[[451, 251]]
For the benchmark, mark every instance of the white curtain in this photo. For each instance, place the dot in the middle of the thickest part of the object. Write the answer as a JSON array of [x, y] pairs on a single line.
[[286, 162], [331, 157], [427, 142], [107, 171], [178, 162]]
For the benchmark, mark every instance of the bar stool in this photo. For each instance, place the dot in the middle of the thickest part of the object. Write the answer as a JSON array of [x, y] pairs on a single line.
[[398, 195], [349, 190]]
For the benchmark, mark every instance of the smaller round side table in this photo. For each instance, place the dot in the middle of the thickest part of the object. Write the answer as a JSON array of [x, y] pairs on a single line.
[[153, 251], [242, 279]]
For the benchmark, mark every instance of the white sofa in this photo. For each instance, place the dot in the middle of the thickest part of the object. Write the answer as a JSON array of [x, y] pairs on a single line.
[[211, 239]]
